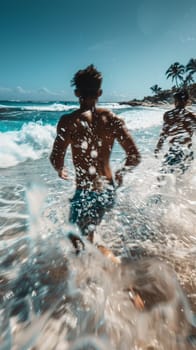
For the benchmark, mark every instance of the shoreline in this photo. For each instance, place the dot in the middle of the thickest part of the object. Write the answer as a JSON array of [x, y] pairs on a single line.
[[138, 103], [146, 103]]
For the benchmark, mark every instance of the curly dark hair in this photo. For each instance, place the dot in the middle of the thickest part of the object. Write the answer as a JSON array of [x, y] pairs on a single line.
[[87, 81]]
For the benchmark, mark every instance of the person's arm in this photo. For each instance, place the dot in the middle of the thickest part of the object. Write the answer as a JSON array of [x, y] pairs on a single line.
[[133, 157], [60, 145], [193, 122], [163, 135]]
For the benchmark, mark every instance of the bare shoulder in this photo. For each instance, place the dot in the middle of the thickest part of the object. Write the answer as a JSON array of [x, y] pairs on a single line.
[[166, 116], [104, 111], [194, 117], [110, 117], [69, 117], [67, 120], [191, 115], [190, 118]]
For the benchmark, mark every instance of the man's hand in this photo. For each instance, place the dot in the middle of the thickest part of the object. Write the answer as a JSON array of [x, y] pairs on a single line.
[[63, 174], [121, 172], [119, 177]]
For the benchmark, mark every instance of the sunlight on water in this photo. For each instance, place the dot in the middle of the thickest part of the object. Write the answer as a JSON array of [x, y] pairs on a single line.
[[52, 299], [59, 297]]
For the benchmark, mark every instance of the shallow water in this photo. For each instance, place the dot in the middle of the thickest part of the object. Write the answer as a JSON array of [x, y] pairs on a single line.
[[53, 299]]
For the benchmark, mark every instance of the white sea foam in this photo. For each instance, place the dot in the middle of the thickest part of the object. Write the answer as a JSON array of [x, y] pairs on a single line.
[[55, 107], [113, 105], [31, 142], [143, 118], [158, 220]]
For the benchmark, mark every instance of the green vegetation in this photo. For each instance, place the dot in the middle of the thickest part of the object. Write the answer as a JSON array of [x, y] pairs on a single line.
[[175, 71], [156, 89], [183, 78]]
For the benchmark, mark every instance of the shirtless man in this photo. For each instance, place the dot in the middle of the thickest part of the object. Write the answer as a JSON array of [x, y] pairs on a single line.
[[178, 127], [91, 132]]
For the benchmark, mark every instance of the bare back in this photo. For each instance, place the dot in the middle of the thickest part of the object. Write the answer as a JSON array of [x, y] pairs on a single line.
[[91, 136], [179, 125]]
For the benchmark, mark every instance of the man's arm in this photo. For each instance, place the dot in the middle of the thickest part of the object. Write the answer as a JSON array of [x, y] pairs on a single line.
[[60, 145], [193, 118], [133, 157], [163, 134]]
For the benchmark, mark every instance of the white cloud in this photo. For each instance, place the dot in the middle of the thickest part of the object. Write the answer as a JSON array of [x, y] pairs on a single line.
[[189, 38], [20, 90], [4, 90], [19, 93], [46, 91], [5, 93], [116, 96]]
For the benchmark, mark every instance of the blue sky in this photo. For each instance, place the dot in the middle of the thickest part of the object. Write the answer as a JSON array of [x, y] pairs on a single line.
[[44, 42]]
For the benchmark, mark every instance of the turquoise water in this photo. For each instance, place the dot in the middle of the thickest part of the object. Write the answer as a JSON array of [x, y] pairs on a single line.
[[32, 126]]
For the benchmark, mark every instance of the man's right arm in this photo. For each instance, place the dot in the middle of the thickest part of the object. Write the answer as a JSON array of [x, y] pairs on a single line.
[[60, 145], [193, 117], [133, 156]]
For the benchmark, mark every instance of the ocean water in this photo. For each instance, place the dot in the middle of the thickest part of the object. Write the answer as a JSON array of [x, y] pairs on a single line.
[[52, 299]]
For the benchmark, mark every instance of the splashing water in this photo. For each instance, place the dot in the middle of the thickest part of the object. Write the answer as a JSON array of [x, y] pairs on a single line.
[[52, 299]]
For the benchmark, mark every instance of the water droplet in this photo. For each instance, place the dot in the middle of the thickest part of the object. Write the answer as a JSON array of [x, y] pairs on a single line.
[[94, 154], [84, 145], [92, 170]]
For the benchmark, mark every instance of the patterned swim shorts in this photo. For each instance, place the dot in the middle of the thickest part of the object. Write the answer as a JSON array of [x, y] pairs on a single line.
[[88, 207], [178, 159]]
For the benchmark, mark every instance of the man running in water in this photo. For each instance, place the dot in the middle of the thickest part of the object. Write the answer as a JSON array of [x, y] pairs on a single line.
[[178, 127], [91, 132]]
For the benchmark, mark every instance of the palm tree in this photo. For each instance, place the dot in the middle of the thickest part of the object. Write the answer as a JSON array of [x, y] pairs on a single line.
[[156, 89], [175, 71], [191, 66], [188, 80]]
